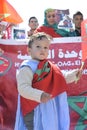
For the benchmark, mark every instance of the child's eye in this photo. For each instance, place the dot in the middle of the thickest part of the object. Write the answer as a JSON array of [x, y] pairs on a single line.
[[45, 47], [38, 46]]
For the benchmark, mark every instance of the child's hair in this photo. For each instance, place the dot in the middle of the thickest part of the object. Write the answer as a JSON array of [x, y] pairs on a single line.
[[38, 36]]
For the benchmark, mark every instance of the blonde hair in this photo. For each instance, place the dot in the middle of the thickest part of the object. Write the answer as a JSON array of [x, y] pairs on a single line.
[[49, 10], [38, 36]]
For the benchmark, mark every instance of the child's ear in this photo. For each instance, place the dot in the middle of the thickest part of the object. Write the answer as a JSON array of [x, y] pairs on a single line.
[[28, 50]]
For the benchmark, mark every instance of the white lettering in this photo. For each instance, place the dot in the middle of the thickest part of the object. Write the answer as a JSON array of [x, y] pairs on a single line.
[[17, 64], [68, 63], [77, 62]]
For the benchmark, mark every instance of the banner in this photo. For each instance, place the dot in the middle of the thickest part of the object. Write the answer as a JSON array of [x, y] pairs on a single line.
[[65, 53]]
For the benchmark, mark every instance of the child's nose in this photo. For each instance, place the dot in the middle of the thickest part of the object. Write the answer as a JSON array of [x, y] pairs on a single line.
[[42, 48]]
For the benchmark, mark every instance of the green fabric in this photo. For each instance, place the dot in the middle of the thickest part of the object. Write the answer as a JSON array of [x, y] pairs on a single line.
[[62, 32], [42, 71]]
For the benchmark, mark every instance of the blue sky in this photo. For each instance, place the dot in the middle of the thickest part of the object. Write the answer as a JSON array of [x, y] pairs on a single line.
[[28, 8]]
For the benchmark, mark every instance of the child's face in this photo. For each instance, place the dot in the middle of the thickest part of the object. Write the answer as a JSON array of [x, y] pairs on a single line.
[[39, 49]]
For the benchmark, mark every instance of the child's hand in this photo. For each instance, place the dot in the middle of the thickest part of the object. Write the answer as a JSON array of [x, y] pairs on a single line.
[[78, 75], [45, 97]]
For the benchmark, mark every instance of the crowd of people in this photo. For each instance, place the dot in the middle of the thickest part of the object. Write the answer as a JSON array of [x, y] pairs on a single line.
[[51, 22], [41, 85], [50, 26]]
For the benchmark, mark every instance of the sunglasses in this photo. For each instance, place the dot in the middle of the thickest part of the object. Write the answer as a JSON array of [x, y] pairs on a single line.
[[49, 16]]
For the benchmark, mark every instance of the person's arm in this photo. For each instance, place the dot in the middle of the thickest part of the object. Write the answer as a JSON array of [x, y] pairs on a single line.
[[71, 76], [24, 84]]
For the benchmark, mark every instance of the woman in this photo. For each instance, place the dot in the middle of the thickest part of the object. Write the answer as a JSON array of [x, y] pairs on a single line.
[[50, 26]]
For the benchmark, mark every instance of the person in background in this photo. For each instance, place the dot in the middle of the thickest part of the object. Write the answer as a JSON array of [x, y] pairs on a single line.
[[77, 19], [50, 25], [41, 86], [33, 24], [6, 30], [1, 51], [2, 30]]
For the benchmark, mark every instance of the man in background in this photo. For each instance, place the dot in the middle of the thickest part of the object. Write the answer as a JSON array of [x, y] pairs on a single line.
[[33, 24], [77, 19]]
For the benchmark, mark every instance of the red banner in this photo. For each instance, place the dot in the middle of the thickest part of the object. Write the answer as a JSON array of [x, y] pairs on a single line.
[[67, 54]]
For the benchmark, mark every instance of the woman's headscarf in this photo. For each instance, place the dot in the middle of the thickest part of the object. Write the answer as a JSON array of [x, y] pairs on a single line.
[[62, 32]]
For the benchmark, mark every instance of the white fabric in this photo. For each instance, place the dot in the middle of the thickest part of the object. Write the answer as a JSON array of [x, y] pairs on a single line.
[[19, 124], [53, 115], [70, 76], [24, 84]]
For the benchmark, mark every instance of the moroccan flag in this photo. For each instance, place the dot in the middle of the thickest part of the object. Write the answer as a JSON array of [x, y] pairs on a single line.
[[8, 13], [47, 78], [84, 39]]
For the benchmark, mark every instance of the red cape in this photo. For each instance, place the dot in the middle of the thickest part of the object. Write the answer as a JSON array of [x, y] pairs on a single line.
[[51, 82]]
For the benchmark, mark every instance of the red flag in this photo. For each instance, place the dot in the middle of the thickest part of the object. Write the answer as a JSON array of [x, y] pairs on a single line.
[[8, 13], [47, 78], [84, 39]]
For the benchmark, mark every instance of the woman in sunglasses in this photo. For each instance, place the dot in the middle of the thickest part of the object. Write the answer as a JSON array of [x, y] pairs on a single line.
[[50, 25]]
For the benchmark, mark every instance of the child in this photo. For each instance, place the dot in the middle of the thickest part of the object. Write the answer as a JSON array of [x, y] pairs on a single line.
[[43, 88]]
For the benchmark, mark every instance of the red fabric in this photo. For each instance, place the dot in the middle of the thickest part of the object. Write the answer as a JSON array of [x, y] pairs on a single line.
[[48, 30], [84, 39], [7, 8], [54, 83]]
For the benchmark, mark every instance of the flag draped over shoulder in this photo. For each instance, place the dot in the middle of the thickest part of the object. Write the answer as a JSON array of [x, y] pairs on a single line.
[[47, 78], [84, 39]]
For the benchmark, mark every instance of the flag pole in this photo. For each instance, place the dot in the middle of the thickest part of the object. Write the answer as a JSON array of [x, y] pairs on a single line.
[[81, 68]]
